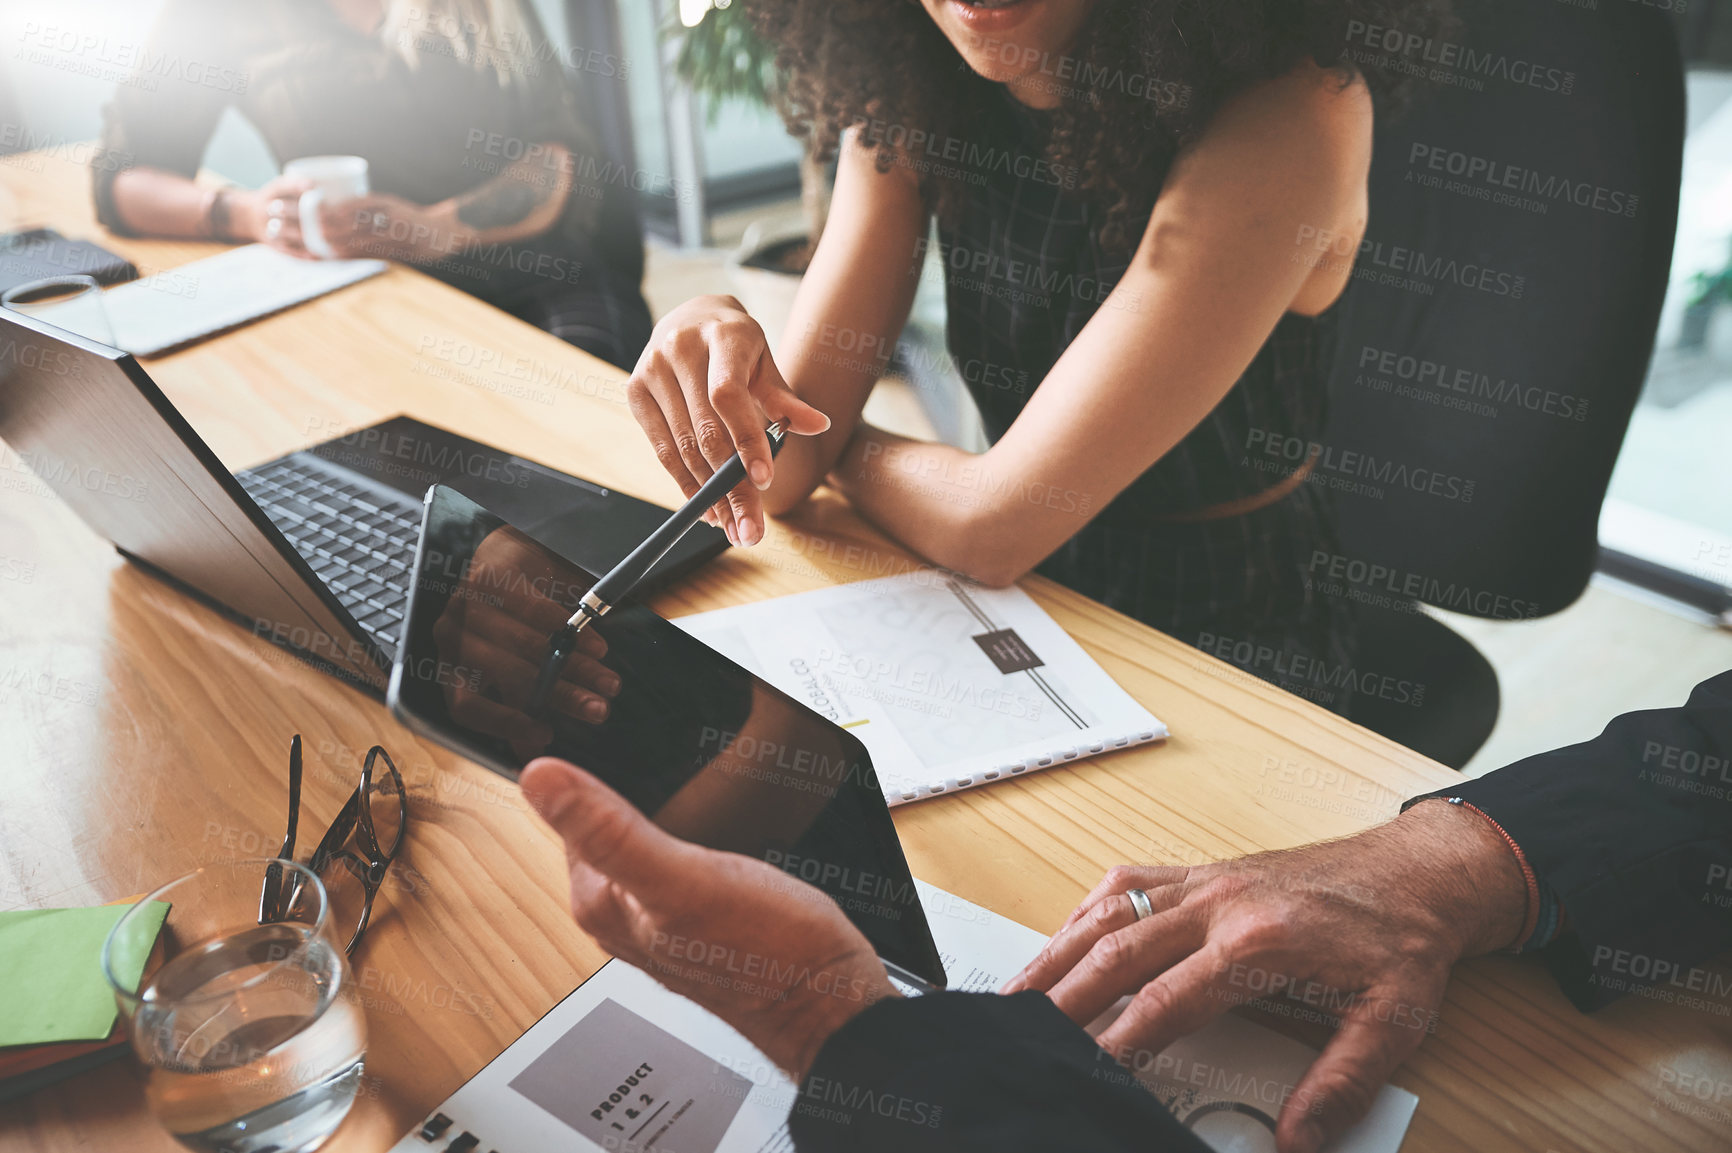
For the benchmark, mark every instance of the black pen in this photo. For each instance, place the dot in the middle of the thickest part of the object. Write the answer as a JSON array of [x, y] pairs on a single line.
[[625, 576]]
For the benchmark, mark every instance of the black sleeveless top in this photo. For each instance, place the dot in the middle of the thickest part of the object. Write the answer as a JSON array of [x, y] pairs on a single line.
[[1025, 270]]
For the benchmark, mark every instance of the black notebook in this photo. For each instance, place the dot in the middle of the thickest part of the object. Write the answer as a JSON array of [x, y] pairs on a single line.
[[41, 253]]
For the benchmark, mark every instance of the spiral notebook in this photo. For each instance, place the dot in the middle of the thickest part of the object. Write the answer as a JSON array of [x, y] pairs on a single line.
[[948, 684], [622, 1064]]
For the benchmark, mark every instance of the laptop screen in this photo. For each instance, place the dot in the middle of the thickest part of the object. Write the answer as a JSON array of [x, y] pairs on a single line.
[[712, 753]]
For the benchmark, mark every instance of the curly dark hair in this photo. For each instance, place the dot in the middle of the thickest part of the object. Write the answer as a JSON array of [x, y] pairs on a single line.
[[1141, 82]]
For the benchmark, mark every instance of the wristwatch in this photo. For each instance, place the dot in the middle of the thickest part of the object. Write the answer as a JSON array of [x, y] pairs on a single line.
[[216, 215]]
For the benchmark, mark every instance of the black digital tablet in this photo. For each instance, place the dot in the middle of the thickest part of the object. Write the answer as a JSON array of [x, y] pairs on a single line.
[[707, 750]]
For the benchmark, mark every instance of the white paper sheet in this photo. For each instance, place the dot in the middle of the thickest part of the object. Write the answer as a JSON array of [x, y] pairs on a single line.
[[197, 300]]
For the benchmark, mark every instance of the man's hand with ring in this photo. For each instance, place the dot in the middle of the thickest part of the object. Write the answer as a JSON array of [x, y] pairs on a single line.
[[1364, 928], [1140, 904]]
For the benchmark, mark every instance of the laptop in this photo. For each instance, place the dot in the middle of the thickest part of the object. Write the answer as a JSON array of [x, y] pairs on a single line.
[[311, 551]]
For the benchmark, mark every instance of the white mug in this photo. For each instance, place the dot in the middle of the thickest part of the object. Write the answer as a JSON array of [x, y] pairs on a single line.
[[335, 179]]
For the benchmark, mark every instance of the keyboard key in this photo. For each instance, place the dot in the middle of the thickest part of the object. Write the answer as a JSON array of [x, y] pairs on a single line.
[[367, 589], [358, 541]]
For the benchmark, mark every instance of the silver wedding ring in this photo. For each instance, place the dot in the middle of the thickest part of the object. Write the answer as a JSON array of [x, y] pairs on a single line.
[[273, 228], [1140, 903]]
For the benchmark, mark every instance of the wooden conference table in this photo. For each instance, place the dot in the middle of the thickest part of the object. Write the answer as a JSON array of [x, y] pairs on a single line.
[[142, 735]]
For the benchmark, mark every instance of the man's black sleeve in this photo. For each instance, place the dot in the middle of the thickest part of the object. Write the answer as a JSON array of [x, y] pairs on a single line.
[[1633, 833], [967, 1072]]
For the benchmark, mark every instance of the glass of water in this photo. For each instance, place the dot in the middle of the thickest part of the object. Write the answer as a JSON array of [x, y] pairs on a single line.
[[71, 302], [249, 1034]]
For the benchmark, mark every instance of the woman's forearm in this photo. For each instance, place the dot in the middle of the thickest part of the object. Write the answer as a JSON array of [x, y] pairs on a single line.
[[837, 387], [523, 201], [152, 202], [947, 505], [851, 307]]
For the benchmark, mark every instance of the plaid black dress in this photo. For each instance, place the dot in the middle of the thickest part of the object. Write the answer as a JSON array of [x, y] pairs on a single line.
[[1025, 269]]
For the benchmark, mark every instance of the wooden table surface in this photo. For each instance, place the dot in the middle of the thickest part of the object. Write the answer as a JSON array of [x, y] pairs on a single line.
[[142, 735]]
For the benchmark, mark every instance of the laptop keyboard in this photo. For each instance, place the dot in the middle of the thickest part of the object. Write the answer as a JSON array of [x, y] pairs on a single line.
[[361, 544]]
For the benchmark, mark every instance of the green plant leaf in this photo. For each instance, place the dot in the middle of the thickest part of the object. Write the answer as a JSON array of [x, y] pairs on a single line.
[[725, 59]]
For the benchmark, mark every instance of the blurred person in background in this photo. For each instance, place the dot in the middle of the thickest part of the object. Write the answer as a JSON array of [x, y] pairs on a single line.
[[483, 173]]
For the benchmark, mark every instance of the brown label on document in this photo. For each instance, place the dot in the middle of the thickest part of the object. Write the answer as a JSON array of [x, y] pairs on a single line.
[[1008, 651]]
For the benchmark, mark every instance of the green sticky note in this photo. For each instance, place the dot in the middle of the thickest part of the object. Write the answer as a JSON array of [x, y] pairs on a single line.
[[51, 982]]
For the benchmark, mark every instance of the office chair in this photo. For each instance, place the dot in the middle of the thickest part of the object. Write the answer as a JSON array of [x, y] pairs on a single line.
[[1496, 338]]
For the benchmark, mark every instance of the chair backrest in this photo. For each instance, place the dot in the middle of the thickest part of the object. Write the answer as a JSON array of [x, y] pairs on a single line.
[[598, 77], [1505, 301]]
